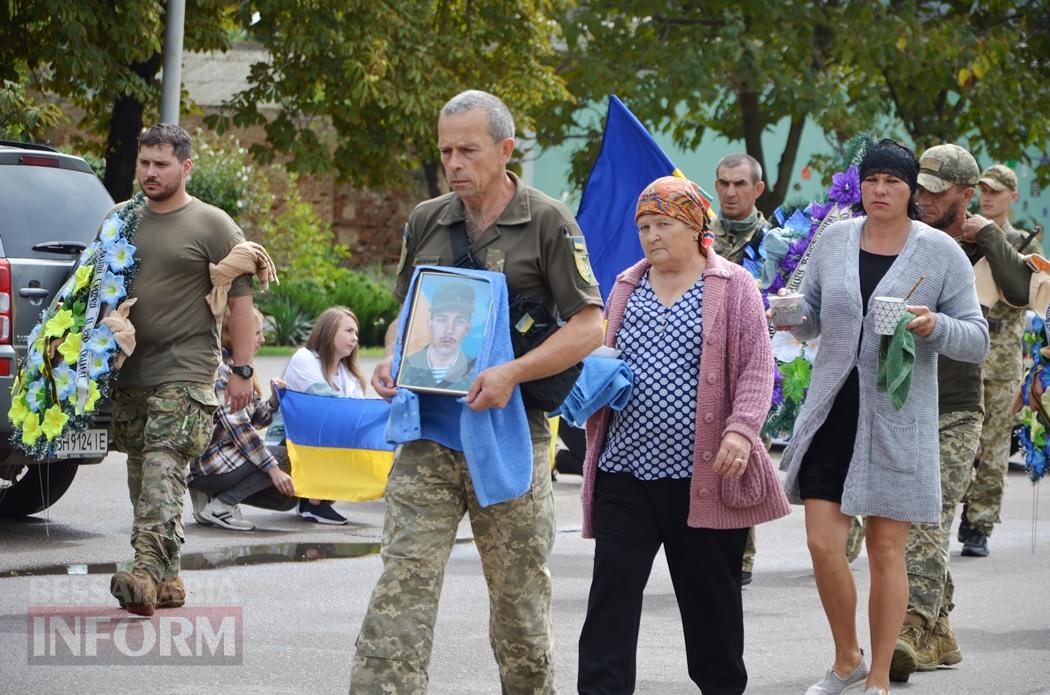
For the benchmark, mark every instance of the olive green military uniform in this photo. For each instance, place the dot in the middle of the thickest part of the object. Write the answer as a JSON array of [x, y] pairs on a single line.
[[538, 246], [984, 496], [164, 398], [732, 247], [416, 371]]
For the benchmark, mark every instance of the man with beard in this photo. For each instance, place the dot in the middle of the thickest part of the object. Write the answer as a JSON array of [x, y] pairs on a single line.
[[948, 175], [998, 191], [164, 399]]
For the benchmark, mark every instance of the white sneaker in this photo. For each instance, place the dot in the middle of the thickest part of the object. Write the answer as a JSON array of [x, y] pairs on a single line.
[[221, 514], [831, 684]]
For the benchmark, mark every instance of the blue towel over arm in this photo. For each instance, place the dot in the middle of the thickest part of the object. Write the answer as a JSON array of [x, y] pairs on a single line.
[[496, 442], [603, 382]]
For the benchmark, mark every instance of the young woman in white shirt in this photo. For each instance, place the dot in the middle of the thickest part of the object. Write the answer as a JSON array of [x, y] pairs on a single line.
[[326, 365]]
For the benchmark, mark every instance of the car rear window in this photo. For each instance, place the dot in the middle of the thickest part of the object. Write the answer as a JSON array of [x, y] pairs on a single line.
[[48, 204]]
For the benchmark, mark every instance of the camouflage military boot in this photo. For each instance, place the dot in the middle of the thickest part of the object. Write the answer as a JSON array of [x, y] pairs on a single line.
[[135, 590], [941, 649], [171, 593], [905, 661]]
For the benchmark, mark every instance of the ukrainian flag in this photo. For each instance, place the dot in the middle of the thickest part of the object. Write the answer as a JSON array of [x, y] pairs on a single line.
[[629, 160], [337, 446]]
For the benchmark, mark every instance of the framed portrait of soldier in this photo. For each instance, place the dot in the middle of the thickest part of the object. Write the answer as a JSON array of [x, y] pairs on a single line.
[[444, 333]]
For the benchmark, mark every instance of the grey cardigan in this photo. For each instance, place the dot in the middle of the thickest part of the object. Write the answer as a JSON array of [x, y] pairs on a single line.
[[895, 470]]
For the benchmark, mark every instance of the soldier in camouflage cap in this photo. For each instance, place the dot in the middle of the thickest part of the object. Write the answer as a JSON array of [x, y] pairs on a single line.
[[998, 177], [947, 178], [983, 499], [944, 166]]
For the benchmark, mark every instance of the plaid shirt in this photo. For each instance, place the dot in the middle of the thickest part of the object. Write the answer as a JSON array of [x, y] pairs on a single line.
[[236, 437]]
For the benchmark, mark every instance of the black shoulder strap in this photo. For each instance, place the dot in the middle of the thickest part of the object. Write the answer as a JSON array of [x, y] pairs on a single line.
[[461, 256]]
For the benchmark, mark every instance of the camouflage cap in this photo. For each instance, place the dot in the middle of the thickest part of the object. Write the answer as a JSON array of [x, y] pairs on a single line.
[[453, 296], [944, 166], [999, 177]]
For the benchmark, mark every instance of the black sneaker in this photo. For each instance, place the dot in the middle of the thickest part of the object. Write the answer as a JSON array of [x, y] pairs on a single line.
[[976, 544], [321, 513], [745, 578]]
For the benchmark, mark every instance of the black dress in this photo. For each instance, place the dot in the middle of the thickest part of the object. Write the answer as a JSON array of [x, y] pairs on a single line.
[[826, 462]]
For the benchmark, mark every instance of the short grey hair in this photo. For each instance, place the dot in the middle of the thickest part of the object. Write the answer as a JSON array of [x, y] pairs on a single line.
[[735, 160], [501, 123]]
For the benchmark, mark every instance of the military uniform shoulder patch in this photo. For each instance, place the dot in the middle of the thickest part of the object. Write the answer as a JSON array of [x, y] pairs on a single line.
[[583, 260], [404, 251]]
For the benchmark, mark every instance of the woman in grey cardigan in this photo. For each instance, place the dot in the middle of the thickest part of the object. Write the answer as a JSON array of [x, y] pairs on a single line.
[[851, 452]]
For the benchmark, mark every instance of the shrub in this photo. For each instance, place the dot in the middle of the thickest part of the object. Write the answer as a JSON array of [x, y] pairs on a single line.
[[375, 306], [300, 243], [224, 176], [285, 322]]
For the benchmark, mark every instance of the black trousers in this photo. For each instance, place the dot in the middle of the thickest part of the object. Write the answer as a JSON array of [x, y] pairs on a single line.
[[632, 519]]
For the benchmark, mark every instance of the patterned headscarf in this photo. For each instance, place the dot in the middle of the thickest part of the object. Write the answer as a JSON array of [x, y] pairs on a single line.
[[680, 198]]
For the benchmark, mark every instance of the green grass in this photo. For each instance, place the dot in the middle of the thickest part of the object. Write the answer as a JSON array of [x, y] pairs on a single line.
[[287, 350]]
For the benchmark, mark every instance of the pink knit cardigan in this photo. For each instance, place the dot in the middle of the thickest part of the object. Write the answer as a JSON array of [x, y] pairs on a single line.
[[734, 392]]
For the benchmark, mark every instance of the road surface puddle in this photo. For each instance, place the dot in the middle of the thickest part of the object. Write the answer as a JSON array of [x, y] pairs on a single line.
[[236, 556]]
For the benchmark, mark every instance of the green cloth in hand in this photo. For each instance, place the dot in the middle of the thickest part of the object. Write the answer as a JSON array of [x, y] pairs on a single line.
[[896, 362]]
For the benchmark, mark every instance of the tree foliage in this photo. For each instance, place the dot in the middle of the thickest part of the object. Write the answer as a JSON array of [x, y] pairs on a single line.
[[378, 72], [953, 70], [936, 71], [103, 57], [21, 117]]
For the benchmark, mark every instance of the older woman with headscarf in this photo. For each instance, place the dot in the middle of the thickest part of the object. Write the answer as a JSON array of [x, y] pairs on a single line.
[[682, 465], [857, 449]]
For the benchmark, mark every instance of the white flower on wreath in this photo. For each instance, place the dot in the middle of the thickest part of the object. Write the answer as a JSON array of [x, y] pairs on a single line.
[[110, 230], [787, 347]]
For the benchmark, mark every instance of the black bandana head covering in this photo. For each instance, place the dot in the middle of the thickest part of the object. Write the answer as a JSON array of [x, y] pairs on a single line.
[[890, 157]]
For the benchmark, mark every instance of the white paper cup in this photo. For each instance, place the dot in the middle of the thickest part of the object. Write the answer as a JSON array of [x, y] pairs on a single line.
[[888, 312], [787, 309]]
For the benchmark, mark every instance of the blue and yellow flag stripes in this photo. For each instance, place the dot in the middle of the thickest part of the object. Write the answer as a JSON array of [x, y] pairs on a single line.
[[628, 161], [337, 446]]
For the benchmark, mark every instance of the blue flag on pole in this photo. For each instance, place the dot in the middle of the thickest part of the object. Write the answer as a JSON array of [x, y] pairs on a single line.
[[628, 161]]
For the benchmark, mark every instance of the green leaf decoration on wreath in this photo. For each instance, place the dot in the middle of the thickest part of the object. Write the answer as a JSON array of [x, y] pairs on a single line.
[[70, 354], [796, 375]]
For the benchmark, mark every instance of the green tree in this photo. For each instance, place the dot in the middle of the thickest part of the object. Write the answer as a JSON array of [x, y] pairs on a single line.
[[733, 68], [955, 70], [378, 72], [938, 71], [21, 117], [104, 57]]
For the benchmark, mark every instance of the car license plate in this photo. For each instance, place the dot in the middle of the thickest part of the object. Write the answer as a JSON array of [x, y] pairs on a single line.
[[89, 443]]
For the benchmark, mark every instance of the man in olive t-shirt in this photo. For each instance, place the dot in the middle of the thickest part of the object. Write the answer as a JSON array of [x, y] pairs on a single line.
[[164, 396]]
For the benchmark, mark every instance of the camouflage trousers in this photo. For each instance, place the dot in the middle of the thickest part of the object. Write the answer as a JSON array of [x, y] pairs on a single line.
[[984, 498], [930, 587], [161, 428], [428, 492]]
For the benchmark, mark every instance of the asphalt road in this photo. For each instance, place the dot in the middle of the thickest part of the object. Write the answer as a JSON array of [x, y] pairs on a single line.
[[302, 591]]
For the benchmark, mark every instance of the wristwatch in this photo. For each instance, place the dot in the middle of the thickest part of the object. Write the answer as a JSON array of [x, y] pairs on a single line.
[[244, 371]]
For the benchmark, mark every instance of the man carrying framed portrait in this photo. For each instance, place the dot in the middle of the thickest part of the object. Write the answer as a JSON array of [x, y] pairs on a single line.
[[534, 242]]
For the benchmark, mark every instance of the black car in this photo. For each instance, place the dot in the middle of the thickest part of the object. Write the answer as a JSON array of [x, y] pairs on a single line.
[[50, 208]]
